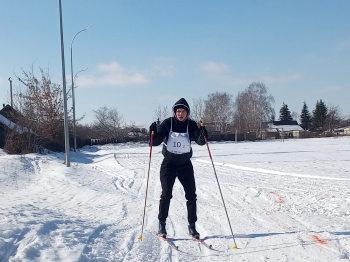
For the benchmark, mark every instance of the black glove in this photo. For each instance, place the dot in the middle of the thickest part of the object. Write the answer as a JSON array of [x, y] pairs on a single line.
[[203, 132], [153, 127]]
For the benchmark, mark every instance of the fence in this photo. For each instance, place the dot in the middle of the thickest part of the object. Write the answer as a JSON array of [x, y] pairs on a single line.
[[104, 141]]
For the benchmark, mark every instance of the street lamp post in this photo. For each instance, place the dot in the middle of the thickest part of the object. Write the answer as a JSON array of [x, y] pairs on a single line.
[[73, 93], [78, 73], [74, 126], [66, 132]]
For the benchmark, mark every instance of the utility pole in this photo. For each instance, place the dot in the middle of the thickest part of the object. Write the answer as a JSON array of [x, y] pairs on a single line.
[[73, 92], [11, 91], [66, 132]]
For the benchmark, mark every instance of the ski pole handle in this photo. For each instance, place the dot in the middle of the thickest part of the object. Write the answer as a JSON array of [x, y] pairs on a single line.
[[205, 138], [151, 143]]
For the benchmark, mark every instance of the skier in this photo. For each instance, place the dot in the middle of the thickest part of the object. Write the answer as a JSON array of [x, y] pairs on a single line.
[[176, 133]]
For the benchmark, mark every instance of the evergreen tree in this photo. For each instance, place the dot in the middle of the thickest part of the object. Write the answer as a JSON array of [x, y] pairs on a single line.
[[285, 113], [319, 115], [305, 117]]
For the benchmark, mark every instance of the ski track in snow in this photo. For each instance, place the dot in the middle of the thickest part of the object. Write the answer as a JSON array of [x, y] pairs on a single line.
[[286, 202]]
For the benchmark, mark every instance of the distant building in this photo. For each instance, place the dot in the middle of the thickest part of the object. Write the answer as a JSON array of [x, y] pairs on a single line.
[[285, 129], [10, 113], [2, 133], [8, 119], [342, 131], [136, 132]]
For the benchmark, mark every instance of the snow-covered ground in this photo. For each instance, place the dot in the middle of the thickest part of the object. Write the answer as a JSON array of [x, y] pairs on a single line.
[[286, 202]]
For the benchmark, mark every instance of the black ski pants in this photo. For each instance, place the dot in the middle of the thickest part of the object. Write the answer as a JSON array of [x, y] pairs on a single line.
[[185, 174]]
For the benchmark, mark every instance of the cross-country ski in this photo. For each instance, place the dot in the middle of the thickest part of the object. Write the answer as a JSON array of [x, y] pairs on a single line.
[[169, 242], [201, 242]]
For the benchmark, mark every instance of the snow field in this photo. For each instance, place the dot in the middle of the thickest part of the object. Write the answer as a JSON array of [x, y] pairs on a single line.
[[286, 202]]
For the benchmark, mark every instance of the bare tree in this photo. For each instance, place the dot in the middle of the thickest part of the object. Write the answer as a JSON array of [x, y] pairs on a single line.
[[109, 122], [40, 106], [252, 107], [218, 111], [197, 110], [334, 117], [87, 131], [162, 114]]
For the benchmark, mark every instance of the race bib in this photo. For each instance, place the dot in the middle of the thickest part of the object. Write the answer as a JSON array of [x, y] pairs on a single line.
[[178, 143]]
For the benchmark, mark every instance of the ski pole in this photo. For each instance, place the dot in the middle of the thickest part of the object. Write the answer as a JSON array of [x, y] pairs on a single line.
[[206, 142], [149, 168]]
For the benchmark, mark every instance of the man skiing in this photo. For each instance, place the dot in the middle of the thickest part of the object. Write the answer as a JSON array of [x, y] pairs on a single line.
[[176, 133]]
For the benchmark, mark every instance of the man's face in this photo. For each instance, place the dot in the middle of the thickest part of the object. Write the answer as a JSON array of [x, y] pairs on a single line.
[[181, 114]]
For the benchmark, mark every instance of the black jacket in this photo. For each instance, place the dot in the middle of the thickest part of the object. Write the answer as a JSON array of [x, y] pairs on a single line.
[[179, 127]]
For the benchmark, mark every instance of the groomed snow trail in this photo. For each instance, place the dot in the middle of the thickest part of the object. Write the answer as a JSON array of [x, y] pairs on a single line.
[[286, 202]]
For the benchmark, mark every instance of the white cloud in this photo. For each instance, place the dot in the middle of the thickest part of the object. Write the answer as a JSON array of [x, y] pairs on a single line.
[[113, 74], [112, 67], [163, 70], [214, 67]]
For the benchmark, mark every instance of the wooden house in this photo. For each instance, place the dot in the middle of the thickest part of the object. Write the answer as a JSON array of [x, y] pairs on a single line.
[[284, 129]]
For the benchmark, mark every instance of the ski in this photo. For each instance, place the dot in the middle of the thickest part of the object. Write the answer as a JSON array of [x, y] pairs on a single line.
[[201, 242], [170, 243]]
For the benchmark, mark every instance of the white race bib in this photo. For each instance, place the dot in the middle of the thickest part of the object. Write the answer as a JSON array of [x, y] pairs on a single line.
[[178, 143]]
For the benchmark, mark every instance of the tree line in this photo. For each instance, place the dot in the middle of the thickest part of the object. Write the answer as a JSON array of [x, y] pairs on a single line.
[[254, 106], [322, 118], [39, 106]]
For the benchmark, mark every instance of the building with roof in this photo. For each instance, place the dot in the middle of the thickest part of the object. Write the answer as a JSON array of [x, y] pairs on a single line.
[[284, 129], [8, 117]]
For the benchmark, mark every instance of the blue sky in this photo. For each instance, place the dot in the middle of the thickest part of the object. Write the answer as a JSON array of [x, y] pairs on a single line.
[[142, 54]]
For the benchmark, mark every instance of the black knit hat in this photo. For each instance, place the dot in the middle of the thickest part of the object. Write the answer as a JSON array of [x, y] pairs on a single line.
[[182, 103]]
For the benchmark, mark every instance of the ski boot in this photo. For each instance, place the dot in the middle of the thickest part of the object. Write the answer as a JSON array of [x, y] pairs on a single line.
[[192, 231], [161, 229]]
